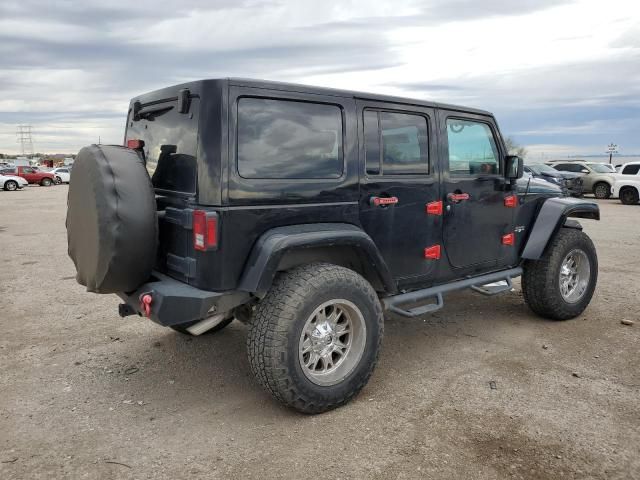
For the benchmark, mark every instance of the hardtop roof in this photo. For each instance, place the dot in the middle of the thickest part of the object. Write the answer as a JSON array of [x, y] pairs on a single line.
[[273, 85], [294, 87]]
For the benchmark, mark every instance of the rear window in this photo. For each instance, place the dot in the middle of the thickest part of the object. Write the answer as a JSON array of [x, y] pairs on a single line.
[[289, 139], [170, 143]]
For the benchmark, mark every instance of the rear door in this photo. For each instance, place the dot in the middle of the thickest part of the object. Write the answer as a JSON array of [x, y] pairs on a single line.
[[476, 218], [399, 178], [170, 152]]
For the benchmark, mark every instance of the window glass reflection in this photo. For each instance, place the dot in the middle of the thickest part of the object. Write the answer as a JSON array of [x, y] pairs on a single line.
[[288, 139]]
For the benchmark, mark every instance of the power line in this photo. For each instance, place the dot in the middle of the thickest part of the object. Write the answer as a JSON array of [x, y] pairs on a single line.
[[25, 140]]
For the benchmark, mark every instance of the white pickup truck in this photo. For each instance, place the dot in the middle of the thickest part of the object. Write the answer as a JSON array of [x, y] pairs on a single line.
[[627, 185]]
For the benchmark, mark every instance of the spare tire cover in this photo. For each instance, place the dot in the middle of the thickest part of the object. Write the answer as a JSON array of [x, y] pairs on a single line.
[[112, 225]]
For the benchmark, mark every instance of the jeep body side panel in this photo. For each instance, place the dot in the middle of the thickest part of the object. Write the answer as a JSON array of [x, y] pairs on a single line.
[[252, 206], [270, 250], [551, 217]]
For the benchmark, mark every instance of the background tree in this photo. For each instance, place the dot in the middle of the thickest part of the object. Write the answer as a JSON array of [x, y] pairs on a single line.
[[513, 148]]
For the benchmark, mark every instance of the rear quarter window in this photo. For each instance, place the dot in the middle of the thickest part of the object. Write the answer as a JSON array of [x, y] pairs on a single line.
[[631, 170], [284, 139]]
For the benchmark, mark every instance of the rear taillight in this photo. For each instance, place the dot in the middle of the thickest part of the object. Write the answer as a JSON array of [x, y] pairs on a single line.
[[205, 230], [135, 144]]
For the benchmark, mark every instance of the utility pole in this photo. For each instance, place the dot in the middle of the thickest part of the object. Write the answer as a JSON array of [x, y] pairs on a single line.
[[25, 140]]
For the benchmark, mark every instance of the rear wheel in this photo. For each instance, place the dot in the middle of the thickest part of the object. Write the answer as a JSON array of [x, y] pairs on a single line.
[[560, 285], [11, 185], [46, 182], [602, 190], [314, 340], [629, 196]]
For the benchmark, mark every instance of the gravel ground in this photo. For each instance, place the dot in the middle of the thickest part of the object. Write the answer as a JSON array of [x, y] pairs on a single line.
[[86, 394]]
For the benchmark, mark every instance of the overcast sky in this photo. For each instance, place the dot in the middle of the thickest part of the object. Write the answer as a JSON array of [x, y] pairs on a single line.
[[563, 77]]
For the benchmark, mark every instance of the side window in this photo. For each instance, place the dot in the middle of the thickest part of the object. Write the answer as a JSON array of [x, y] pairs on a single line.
[[396, 143], [569, 167], [472, 148], [289, 139], [631, 170]]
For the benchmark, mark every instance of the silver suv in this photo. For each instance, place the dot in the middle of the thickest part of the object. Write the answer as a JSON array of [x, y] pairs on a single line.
[[596, 177]]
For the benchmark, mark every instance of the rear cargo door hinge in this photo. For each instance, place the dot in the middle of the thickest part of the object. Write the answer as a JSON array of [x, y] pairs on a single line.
[[184, 265], [179, 216]]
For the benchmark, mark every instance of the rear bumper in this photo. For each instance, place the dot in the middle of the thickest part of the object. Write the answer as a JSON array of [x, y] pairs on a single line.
[[174, 302]]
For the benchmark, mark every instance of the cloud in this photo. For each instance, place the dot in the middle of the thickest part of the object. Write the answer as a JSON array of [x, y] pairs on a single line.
[[536, 63]]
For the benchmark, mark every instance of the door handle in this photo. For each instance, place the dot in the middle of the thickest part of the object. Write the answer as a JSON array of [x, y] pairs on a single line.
[[458, 197], [383, 201]]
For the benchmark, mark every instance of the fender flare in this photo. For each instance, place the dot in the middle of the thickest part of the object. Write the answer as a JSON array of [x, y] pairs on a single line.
[[553, 215], [274, 244]]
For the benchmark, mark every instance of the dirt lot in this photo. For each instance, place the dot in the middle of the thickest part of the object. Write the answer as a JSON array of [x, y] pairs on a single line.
[[86, 394]]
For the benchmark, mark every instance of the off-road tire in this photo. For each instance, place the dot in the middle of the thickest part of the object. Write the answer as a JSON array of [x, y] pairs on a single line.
[[629, 196], [182, 328], [541, 278], [602, 190], [11, 185], [274, 335], [46, 182]]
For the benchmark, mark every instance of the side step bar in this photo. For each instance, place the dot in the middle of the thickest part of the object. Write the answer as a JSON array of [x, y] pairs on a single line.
[[485, 284]]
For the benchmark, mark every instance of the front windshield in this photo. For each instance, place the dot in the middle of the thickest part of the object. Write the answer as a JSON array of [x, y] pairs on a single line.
[[540, 168], [599, 167]]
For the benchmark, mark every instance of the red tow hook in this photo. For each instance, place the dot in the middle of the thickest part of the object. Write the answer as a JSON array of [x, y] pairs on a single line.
[[145, 304]]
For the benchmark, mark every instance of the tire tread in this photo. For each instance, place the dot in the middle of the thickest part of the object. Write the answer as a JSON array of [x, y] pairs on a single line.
[[267, 338], [539, 279]]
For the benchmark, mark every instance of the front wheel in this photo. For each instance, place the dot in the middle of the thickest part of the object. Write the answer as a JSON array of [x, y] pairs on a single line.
[[314, 340], [58, 180], [559, 286], [46, 182], [602, 190], [11, 185]]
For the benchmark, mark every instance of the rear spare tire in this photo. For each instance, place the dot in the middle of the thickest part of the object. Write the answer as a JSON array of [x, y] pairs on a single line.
[[112, 226]]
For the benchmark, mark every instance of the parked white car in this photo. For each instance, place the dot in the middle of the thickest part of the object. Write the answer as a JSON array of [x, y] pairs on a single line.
[[12, 182], [63, 174], [627, 185]]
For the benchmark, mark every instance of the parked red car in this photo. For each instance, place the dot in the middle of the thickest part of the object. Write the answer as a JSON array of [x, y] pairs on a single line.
[[32, 175]]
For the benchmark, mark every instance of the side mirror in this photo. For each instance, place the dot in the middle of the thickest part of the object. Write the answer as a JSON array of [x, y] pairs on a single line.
[[584, 170], [513, 167]]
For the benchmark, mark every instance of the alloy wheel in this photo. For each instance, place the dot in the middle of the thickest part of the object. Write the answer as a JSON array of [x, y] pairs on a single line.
[[332, 342]]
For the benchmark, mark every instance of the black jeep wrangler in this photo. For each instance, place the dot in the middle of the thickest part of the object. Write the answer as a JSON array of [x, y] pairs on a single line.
[[307, 213]]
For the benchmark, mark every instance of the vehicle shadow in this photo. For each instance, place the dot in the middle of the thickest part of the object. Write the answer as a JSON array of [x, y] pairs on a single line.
[[212, 372]]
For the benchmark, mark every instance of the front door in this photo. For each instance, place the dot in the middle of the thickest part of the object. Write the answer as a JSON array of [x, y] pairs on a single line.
[[400, 178], [477, 222]]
